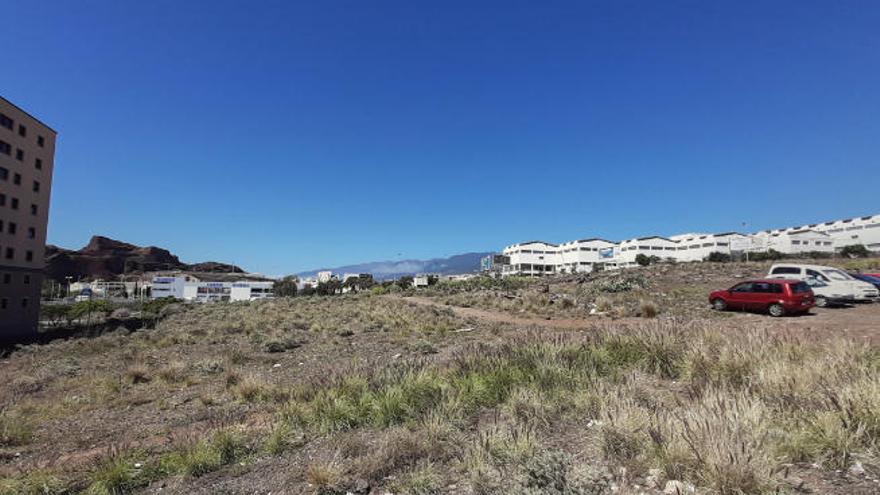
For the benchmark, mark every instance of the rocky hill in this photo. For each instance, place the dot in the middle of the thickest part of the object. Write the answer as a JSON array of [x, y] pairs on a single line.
[[103, 257]]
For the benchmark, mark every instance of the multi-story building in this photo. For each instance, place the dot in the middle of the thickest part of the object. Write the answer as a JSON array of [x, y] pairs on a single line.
[[852, 231], [541, 258], [698, 247], [532, 258], [584, 255], [27, 156]]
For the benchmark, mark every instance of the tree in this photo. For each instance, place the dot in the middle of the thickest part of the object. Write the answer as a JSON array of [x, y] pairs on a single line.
[[855, 251], [329, 287], [643, 260], [404, 282], [286, 287]]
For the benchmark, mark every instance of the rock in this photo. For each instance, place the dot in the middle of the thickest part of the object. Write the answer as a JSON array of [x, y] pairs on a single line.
[[654, 478], [857, 469], [675, 487]]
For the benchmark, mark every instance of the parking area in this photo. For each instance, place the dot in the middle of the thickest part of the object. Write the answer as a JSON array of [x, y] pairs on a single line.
[[859, 322]]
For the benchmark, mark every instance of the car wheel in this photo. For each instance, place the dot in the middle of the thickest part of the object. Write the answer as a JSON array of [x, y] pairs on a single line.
[[719, 304], [821, 302], [776, 310]]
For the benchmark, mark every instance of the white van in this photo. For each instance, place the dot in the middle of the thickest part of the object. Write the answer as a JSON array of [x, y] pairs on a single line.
[[837, 285]]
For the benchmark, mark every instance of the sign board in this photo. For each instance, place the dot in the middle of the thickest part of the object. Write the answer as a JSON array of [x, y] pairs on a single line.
[[741, 244]]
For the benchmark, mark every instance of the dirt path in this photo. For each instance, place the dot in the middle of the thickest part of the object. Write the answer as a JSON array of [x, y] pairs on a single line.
[[860, 323]]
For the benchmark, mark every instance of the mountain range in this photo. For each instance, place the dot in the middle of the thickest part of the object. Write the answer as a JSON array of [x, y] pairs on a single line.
[[386, 270], [107, 258]]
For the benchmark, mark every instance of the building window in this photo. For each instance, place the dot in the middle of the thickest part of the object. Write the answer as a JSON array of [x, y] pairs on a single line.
[[10, 253], [32, 233], [2, 199], [14, 203], [19, 154], [33, 209], [40, 141], [7, 278], [22, 130], [5, 148], [38, 164], [36, 186], [26, 279], [16, 179], [11, 228], [5, 122], [4, 173], [24, 302], [29, 256], [3, 303]]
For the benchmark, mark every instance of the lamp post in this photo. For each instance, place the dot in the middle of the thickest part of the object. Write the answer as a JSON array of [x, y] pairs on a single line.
[[68, 278]]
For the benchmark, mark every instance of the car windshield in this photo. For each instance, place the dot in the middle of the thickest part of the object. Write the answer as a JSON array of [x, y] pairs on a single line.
[[837, 275]]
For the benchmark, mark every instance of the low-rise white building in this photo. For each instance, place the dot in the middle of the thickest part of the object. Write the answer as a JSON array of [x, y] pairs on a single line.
[[209, 288], [790, 241], [849, 232], [532, 258], [628, 250], [698, 247]]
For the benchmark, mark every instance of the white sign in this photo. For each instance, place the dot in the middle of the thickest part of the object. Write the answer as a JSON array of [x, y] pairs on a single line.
[[741, 244]]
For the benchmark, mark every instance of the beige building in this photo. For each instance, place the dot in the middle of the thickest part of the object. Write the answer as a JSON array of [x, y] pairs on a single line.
[[27, 155]]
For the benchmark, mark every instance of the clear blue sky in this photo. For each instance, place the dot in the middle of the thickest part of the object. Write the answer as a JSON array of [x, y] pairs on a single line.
[[285, 136]]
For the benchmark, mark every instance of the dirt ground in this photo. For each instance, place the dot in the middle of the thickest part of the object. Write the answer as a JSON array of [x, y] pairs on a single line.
[[145, 393]]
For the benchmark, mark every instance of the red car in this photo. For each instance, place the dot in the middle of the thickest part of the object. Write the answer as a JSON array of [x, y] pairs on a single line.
[[775, 296]]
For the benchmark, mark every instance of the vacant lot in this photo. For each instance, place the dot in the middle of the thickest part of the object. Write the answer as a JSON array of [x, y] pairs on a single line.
[[465, 389]]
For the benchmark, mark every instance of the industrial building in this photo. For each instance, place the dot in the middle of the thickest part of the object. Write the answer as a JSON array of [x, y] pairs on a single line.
[[542, 258], [27, 160], [211, 287]]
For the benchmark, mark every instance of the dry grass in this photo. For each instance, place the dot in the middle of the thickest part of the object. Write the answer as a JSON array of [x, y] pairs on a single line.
[[405, 404]]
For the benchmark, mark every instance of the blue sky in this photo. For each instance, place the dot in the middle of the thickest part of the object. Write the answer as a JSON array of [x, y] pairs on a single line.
[[284, 136]]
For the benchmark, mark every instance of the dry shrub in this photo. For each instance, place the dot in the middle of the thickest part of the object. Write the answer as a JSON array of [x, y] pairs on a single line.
[[137, 373], [648, 309]]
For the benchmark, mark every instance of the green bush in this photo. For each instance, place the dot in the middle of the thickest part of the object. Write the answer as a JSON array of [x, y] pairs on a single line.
[[718, 257], [855, 251]]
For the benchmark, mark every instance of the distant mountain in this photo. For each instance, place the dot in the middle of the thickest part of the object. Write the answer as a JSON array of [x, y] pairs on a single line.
[[106, 258], [385, 270]]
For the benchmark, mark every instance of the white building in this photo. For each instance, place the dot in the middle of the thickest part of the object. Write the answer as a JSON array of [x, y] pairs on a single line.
[[583, 255], [791, 241], [852, 231], [698, 247], [627, 251], [532, 258], [324, 277], [200, 289]]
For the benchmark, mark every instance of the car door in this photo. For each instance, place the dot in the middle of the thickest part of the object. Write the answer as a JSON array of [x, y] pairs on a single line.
[[759, 296], [739, 295]]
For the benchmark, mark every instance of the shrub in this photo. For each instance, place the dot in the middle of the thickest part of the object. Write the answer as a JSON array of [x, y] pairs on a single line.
[[33, 483], [14, 430], [855, 251], [643, 260], [222, 448], [718, 257], [286, 287], [648, 309]]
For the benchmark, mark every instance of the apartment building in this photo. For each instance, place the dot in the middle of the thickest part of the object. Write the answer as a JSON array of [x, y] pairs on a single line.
[[848, 232], [27, 156], [697, 247], [584, 255], [654, 245], [532, 258], [794, 241], [542, 258]]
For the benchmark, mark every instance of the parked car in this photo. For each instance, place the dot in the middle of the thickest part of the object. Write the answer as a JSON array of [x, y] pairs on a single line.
[[874, 274], [775, 296], [839, 281], [875, 281], [826, 294]]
